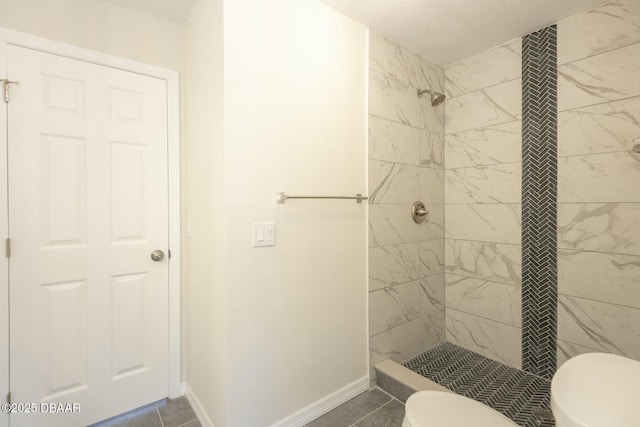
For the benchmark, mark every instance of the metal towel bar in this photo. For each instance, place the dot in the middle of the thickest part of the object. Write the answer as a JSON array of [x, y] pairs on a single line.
[[281, 197]]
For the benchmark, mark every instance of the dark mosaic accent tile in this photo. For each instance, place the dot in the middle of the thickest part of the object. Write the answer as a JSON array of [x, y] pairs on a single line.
[[353, 410], [519, 395], [390, 415], [539, 197], [176, 412], [144, 417]]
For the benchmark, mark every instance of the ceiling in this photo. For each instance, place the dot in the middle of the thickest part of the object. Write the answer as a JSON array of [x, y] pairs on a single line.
[[446, 31], [443, 31]]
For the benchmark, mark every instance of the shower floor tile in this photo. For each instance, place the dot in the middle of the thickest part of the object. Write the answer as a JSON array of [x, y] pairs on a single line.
[[518, 395]]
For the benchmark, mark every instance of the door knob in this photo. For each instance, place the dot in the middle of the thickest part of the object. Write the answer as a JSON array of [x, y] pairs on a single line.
[[157, 255]]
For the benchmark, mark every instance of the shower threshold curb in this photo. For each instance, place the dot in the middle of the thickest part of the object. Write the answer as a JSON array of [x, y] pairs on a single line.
[[401, 382]]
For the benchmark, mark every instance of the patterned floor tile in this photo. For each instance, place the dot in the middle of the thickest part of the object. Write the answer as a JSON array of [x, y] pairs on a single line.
[[519, 395]]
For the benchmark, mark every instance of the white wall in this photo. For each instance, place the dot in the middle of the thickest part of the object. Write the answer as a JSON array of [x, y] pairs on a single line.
[[204, 166], [97, 25], [280, 327], [295, 121]]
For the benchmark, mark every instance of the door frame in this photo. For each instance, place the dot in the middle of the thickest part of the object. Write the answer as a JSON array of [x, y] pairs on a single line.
[[11, 37]]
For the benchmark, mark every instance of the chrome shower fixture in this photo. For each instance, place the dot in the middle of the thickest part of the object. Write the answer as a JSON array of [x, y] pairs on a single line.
[[436, 97]]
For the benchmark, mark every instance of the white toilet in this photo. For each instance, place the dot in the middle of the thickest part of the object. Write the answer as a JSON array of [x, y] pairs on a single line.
[[443, 409], [597, 390]]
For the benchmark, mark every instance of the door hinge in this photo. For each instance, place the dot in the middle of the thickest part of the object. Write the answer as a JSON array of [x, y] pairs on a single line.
[[7, 248], [6, 88], [9, 398]]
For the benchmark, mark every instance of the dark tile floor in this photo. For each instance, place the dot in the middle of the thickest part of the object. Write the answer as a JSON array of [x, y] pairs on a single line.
[[166, 413], [373, 408], [519, 395]]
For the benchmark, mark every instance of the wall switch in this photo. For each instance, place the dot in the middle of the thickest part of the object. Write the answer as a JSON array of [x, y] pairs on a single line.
[[264, 234]]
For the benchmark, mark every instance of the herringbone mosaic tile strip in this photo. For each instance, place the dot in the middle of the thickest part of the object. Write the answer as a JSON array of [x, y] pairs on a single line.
[[539, 196], [514, 393]]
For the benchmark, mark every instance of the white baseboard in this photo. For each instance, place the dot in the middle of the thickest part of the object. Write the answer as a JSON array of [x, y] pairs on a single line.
[[197, 407], [324, 405]]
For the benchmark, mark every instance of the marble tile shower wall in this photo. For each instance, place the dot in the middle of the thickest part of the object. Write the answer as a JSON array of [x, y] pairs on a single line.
[[406, 260], [599, 181], [598, 192], [482, 184]]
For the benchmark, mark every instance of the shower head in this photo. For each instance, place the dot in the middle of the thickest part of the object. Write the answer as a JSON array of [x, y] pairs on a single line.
[[436, 97]]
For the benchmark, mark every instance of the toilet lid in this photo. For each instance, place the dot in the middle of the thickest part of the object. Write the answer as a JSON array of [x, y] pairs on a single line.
[[439, 408]]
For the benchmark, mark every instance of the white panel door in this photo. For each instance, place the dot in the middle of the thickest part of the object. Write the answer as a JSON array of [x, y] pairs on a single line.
[[87, 206]]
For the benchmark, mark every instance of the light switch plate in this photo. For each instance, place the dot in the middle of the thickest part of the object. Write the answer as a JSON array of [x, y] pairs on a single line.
[[264, 234]]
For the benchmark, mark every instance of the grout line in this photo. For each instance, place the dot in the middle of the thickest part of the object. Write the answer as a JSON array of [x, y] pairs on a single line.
[[158, 414], [387, 393], [484, 318], [560, 248], [581, 345], [598, 203], [389, 287], [484, 166], [480, 203], [597, 301], [515, 40], [442, 273], [405, 164], [598, 53], [482, 241], [372, 412], [419, 318], [480, 128], [581, 107], [388, 74], [413, 200], [611, 101], [378, 245], [517, 119], [474, 203], [406, 203], [390, 399], [409, 124], [402, 244], [595, 154], [450, 273], [429, 131], [485, 87]]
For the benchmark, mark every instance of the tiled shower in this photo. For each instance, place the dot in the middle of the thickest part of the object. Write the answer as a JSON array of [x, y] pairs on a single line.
[[459, 277], [406, 260]]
